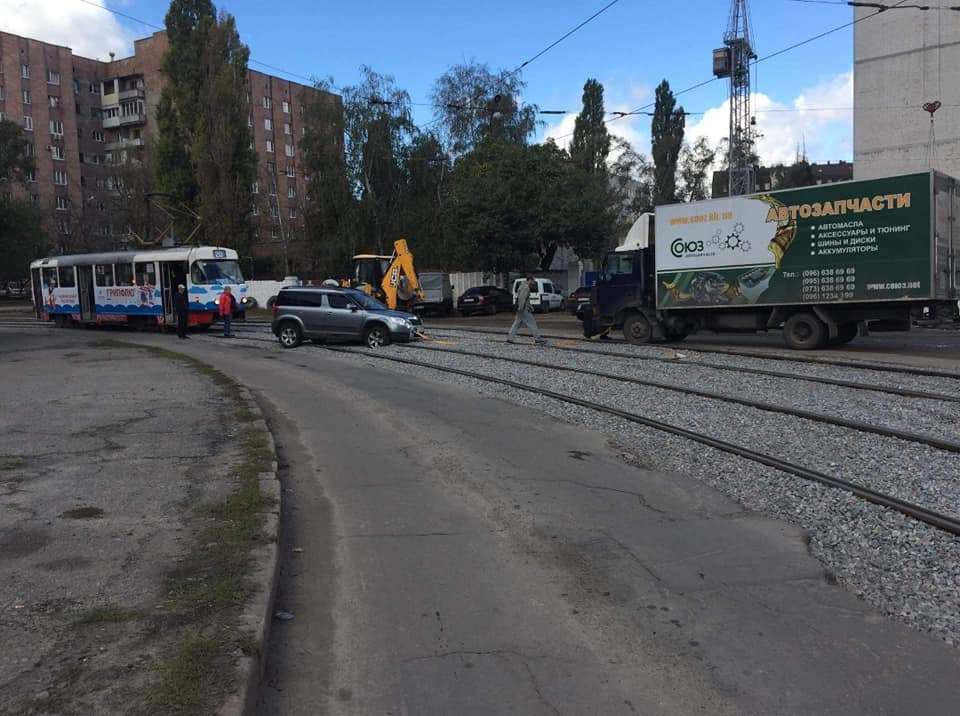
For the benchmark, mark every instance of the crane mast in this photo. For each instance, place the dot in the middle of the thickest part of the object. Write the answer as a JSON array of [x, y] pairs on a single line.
[[733, 61]]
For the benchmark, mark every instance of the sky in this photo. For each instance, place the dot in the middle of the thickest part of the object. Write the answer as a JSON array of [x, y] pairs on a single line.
[[802, 98]]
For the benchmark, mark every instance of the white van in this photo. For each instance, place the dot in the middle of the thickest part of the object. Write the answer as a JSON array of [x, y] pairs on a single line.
[[544, 295]]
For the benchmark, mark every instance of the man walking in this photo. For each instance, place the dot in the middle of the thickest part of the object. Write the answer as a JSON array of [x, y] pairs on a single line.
[[525, 313], [226, 310], [181, 305]]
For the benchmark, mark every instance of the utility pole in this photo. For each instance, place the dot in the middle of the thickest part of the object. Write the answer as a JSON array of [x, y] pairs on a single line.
[[733, 61]]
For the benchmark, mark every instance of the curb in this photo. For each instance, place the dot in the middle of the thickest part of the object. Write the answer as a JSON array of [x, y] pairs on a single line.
[[257, 613]]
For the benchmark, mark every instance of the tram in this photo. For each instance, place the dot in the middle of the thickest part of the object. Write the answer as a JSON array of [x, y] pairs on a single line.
[[135, 287]]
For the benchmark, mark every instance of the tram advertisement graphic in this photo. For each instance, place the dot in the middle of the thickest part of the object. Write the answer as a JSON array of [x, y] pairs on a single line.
[[855, 241]]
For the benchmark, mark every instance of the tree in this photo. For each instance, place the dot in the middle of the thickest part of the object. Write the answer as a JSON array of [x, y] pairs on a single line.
[[591, 140], [667, 137], [426, 172], [202, 153], [21, 233], [695, 163], [472, 103], [632, 182], [512, 202], [798, 174]]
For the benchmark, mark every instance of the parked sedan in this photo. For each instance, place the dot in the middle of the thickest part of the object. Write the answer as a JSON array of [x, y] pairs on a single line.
[[578, 297], [484, 299]]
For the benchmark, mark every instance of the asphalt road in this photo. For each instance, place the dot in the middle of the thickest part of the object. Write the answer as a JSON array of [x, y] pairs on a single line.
[[446, 553]]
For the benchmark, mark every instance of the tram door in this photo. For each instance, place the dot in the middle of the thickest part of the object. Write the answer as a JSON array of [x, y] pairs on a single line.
[[171, 274], [85, 289], [36, 287]]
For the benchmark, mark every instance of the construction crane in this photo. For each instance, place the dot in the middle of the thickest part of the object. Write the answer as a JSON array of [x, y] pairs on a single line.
[[733, 61]]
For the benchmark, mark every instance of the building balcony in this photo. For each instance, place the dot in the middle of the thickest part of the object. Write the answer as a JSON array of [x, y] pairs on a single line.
[[123, 143], [124, 121]]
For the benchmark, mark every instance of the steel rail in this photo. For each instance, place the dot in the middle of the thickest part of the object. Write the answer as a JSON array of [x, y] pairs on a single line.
[[917, 512], [906, 392], [769, 407], [882, 367]]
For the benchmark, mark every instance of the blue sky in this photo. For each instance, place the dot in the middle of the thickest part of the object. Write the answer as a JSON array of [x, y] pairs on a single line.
[[803, 97]]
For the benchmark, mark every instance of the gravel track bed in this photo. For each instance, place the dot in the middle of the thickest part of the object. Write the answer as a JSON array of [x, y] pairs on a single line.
[[917, 415], [905, 569], [884, 379]]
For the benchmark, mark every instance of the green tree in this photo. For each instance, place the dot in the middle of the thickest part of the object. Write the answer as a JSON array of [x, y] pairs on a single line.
[[632, 181], [591, 140], [472, 103], [798, 174], [426, 183], [202, 156], [510, 202], [695, 163], [666, 134], [22, 238]]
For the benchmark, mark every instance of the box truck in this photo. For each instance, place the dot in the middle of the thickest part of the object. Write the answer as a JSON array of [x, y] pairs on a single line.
[[823, 263]]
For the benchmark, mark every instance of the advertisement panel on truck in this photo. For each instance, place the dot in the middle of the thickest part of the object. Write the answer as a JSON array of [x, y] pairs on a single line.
[[853, 241]]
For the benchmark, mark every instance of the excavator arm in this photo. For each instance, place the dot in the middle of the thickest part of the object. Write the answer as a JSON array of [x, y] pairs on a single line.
[[400, 281]]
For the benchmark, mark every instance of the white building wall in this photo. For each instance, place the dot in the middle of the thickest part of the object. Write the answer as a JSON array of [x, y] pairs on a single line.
[[903, 59]]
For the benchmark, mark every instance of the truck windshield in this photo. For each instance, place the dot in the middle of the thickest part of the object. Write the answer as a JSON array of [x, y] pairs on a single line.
[[207, 271]]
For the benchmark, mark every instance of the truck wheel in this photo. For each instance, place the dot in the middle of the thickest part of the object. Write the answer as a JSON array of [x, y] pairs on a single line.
[[289, 334], [376, 335], [637, 330], [804, 332]]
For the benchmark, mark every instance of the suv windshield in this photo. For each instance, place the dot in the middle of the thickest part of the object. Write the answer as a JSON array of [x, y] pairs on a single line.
[[216, 271], [367, 301]]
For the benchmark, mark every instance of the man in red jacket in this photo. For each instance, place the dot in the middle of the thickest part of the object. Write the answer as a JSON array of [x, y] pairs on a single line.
[[227, 302]]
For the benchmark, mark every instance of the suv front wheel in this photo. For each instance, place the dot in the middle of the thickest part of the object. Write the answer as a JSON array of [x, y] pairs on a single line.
[[290, 335], [376, 335]]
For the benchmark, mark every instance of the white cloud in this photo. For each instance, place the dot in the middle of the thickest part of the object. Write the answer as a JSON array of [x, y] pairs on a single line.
[[819, 120], [89, 31]]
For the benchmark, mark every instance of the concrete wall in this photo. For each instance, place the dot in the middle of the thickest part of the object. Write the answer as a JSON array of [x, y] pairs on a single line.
[[902, 59]]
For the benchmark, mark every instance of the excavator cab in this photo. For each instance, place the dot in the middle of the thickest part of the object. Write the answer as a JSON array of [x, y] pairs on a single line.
[[390, 279]]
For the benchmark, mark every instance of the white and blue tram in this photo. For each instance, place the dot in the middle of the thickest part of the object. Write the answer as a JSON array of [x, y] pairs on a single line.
[[135, 287]]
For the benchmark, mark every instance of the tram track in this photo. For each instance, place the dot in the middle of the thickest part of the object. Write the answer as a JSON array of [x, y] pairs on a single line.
[[704, 348], [917, 512]]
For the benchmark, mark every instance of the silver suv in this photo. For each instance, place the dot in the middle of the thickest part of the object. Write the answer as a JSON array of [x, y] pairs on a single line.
[[338, 313]]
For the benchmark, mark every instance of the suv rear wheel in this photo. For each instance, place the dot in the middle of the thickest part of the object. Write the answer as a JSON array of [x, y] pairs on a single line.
[[376, 335], [290, 335]]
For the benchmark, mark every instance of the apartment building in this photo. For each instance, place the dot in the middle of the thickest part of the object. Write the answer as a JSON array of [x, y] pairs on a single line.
[[83, 115]]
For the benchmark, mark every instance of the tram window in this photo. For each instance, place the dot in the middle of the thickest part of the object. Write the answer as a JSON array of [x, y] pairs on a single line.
[[50, 278], [104, 274], [124, 274], [66, 277], [216, 271], [146, 274]]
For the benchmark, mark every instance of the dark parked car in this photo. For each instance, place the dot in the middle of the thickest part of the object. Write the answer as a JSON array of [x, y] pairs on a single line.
[[338, 313], [484, 299], [578, 297]]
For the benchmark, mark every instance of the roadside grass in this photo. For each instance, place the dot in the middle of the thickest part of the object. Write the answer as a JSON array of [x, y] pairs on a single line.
[[83, 513], [194, 667], [109, 614]]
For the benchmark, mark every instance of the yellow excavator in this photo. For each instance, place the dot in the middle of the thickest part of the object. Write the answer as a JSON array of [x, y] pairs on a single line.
[[390, 279]]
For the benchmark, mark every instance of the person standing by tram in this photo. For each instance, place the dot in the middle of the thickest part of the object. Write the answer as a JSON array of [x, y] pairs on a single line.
[[227, 305], [181, 305]]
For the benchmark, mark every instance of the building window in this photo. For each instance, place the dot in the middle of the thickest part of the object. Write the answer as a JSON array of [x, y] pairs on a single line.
[[31, 177], [288, 150], [1, 91], [250, 121], [107, 230], [56, 128], [255, 188], [267, 103], [274, 211], [271, 168], [293, 213], [56, 152], [286, 129], [34, 198], [25, 71], [28, 123], [61, 203], [268, 124], [60, 178], [53, 78], [255, 210], [54, 101], [291, 193], [29, 149], [291, 171], [286, 108], [269, 146], [94, 88], [76, 86], [97, 135], [275, 233], [26, 96]]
